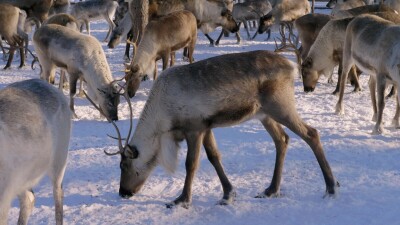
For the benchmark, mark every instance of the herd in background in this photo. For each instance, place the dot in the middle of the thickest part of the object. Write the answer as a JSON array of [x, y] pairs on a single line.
[[359, 36]]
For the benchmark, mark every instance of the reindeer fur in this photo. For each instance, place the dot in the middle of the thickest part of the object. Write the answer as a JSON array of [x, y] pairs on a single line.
[[33, 142]]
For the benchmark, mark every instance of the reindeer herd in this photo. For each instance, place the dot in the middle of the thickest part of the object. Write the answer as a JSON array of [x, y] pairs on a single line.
[[186, 102]]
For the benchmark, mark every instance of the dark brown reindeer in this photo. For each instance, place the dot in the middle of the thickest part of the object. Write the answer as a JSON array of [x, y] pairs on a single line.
[[187, 102], [34, 8]]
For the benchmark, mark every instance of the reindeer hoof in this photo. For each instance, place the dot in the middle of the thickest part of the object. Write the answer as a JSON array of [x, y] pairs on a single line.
[[228, 199], [269, 193], [377, 130], [171, 205]]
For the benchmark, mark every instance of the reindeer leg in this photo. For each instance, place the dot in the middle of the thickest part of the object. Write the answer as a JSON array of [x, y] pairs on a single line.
[[214, 157], [10, 57], [354, 79], [73, 79], [194, 141], [247, 30], [172, 61], [210, 39], [381, 84], [372, 92], [282, 109], [395, 120], [347, 64], [340, 69], [219, 38], [26, 201], [111, 26], [281, 140], [392, 92]]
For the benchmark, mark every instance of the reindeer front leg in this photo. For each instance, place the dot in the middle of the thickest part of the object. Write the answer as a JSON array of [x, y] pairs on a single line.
[[281, 140], [214, 157], [381, 85], [72, 91], [194, 141]]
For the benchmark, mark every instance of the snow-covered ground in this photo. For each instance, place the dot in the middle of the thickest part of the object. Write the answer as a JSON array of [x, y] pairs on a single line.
[[367, 166]]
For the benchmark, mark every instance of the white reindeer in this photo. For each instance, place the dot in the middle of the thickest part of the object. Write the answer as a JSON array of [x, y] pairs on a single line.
[[187, 102], [34, 136], [81, 56], [162, 37], [94, 10], [373, 44]]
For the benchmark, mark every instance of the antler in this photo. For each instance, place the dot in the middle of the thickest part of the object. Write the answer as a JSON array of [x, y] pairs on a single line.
[[290, 44], [120, 146]]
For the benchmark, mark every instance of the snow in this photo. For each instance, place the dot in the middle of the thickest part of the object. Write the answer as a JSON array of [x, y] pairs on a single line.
[[366, 165]]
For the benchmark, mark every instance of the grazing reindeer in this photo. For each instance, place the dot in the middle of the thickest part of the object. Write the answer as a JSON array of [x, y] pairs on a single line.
[[122, 29], [93, 10], [325, 53], [81, 56], [308, 27], [283, 11], [372, 43], [162, 37], [209, 14], [187, 102], [247, 11], [12, 21], [34, 137]]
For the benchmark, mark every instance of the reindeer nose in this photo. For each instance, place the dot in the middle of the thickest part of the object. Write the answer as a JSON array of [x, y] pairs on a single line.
[[125, 194], [308, 89]]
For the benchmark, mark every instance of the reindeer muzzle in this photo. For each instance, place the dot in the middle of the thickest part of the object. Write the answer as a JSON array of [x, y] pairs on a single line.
[[125, 193]]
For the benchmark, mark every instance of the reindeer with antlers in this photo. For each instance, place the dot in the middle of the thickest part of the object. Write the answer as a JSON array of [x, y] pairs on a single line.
[[187, 102]]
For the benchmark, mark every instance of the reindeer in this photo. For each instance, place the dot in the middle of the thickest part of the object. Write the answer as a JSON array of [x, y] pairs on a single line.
[[246, 11], [209, 14], [187, 102], [325, 53], [372, 43], [59, 6], [162, 37], [282, 12], [308, 27], [122, 29], [93, 10], [34, 137], [34, 8], [69, 21], [81, 56], [349, 4], [12, 21]]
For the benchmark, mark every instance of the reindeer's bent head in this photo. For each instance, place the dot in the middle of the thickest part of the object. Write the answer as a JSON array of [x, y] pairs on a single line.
[[265, 23], [109, 102], [133, 173], [133, 79], [115, 38], [310, 76], [228, 22], [331, 3]]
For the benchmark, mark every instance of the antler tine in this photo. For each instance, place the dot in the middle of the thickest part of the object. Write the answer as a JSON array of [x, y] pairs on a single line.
[[128, 100], [121, 148]]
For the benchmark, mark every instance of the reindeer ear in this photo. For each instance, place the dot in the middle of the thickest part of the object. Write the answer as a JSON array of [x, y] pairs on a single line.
[[131, 152]]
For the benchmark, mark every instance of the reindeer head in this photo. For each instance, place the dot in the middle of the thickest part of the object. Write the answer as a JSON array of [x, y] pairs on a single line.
[[310, 76], [115, 38], [132, 78], [109, 102], [134, 170], [228, 22], [265, 23]]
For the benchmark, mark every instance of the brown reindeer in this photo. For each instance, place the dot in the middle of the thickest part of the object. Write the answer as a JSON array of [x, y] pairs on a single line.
[[162, 37]]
